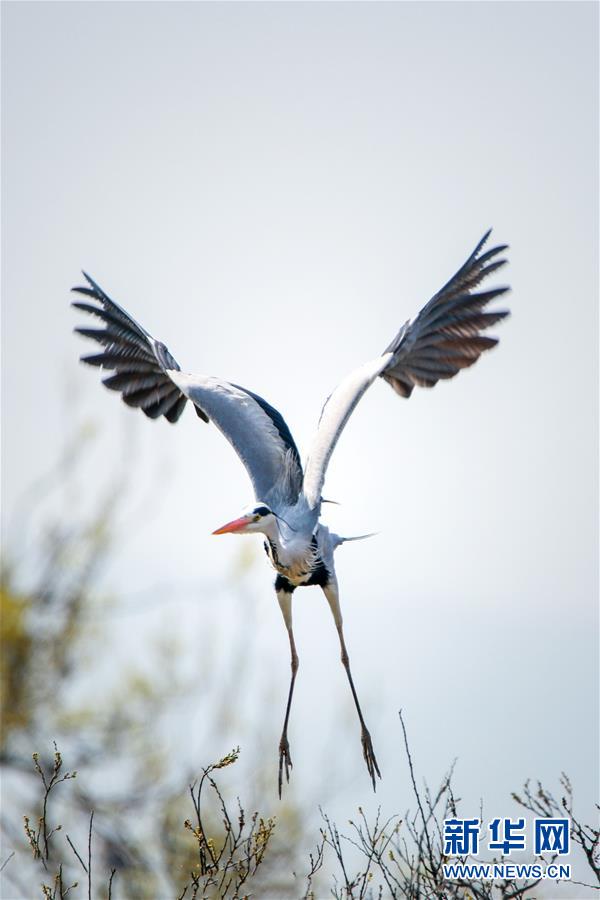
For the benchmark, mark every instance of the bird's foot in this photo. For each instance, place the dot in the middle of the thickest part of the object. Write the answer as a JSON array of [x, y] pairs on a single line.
[[369, 755], [285, 760]]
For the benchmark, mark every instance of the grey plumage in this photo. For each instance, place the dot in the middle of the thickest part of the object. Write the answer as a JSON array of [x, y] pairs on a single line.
[[445, 337], [442, 339], [147, 376]]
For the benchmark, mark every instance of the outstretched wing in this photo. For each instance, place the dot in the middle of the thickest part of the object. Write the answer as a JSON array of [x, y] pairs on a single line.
[[147, 376], [445, 337]]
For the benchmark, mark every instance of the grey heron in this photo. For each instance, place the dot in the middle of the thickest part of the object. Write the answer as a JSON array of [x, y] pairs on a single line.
[[443, 338]]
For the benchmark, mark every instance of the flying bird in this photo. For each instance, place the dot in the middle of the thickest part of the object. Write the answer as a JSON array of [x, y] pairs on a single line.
[[443, 338]]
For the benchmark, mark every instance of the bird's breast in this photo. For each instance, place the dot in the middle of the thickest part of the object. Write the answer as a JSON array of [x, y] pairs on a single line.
[[299, 570]]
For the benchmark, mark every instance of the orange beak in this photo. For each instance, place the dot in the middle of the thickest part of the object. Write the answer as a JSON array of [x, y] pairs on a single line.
[[236, 525]]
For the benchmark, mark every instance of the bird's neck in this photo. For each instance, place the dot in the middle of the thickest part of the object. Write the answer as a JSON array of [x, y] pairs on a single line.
[[292, 554], [271, 532]]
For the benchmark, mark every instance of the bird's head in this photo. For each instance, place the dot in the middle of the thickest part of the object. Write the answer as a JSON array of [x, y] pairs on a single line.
[[258, 518]]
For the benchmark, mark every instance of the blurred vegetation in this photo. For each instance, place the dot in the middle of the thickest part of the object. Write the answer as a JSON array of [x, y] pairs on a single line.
[[55, 686], [127, 820], [16, 651]]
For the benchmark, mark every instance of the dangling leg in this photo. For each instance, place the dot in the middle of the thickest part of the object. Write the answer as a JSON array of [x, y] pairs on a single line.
[[332, 594], [284, 595]]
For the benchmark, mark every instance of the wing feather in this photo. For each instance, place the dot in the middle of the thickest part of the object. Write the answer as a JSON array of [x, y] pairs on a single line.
[[445, 337], [149, 378]]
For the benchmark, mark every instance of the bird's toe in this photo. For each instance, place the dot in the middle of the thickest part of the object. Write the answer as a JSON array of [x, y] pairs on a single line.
[[369, 755], [285, 762]]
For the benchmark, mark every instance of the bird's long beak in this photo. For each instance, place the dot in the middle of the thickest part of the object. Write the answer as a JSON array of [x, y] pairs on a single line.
[[236, 525]]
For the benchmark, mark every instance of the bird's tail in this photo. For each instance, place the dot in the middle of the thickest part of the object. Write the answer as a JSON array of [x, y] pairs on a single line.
[[358, 537]]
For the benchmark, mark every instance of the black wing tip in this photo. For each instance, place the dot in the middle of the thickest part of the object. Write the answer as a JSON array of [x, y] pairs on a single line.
[[94, 359], [86, 291], [486, 236], [92, 289], [84, 307], [91, 281], [492, 294], [480, 245], [499, 248], [88, 332]]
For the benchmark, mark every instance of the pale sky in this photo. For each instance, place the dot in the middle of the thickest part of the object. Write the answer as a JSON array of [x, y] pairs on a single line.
[[272, 189]]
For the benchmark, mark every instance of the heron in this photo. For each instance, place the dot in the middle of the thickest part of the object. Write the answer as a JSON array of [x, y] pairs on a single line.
[[447, 335]]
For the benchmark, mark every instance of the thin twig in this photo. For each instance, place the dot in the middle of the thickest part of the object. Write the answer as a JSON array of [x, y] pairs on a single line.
[[414, 784], [89, 868], [7, 860], [72, 845], [110, 881]]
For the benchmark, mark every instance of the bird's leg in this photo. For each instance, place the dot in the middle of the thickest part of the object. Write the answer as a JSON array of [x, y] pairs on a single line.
[[285, 759], [332, 594]]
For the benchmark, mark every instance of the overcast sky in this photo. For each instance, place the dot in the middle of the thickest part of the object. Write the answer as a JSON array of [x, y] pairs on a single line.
[[272, 189]]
